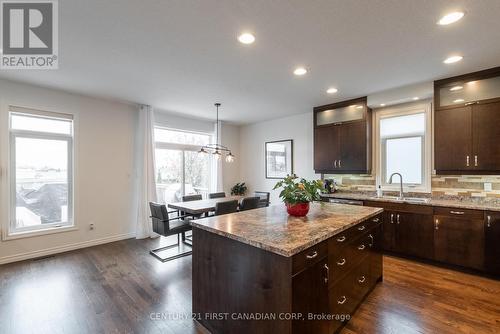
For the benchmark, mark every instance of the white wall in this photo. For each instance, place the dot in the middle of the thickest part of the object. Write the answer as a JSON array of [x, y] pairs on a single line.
[[252, 147], [230, 137], [104, 144]]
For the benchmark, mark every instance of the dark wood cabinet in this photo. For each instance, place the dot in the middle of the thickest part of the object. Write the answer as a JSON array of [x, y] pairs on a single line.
[[492, 242], [342, 137], [467, 123], [459, 237], [486, 136], [310, 295]]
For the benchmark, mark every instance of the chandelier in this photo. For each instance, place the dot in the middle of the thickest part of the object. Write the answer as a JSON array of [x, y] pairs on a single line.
[[216, 149]]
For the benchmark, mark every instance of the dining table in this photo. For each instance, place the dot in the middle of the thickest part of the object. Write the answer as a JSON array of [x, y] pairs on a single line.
[[202, 206]]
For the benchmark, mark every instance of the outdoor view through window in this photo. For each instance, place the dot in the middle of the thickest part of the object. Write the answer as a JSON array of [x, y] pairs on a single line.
[[41, 156], [180, 169]]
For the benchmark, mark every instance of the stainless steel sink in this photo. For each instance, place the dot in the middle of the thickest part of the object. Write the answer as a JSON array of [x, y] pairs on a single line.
[[405, 199]]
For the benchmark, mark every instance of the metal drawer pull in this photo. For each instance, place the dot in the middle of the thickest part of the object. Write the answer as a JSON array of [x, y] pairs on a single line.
[[341, 262], [392, 218], [397, 218], [342, 300], [327, 272], [335, 164], [312, 256], [341, 239], [361, 228], [361, 247], [475, 160], [362, 279], [340, 166], [468, 161], [488, 224], [436, 224], [375, 220], [457, 212], [371, 237]]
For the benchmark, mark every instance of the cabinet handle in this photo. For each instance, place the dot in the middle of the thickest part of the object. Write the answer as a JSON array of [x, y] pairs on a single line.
[[327, 272], [341, 239], [361, 228], [436, 224], [362, 279], [468, 161], [361, 247], [457, 212], [475, 160], [371, 237], [375, 220], [340, 166], [392, 218], [342, 300], [312, 256], [398, 218], [488, 221], [341, 262], [335, 164]]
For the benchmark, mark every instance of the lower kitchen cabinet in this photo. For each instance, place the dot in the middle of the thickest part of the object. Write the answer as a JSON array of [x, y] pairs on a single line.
[[492, 243], [459, 237]]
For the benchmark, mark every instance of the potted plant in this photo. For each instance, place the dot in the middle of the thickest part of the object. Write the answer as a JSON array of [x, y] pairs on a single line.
[[239, 189], [298, 193]]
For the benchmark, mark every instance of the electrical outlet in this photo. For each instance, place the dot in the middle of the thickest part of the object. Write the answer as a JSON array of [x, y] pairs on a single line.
[[488, 186], [91, 226]]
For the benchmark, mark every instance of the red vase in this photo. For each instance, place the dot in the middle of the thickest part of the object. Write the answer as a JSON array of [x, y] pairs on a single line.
[[297, 210]]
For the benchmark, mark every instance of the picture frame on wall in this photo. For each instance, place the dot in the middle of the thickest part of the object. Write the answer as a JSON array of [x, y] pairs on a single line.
[[279, 159]]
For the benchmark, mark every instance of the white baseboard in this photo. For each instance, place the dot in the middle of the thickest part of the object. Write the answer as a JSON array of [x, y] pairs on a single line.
[[65, 248]]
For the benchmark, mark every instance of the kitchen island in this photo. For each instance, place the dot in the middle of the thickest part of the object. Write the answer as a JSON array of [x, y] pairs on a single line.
[[262, 271]]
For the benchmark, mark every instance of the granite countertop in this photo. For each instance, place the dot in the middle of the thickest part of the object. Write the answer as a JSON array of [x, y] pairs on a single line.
[[272, 229], [458, 202]]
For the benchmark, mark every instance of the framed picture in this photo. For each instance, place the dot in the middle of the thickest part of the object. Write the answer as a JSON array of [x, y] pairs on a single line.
[[279, 159]]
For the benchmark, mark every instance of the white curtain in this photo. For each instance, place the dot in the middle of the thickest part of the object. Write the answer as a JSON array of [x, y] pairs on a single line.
[[216, 184], [145, 172]]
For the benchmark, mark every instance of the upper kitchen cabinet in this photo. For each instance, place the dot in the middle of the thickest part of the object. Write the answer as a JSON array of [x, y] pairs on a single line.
[[467, 123], [342, 137]]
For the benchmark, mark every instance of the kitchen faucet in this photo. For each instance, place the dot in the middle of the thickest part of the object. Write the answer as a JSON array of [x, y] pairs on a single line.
[[401, 196]]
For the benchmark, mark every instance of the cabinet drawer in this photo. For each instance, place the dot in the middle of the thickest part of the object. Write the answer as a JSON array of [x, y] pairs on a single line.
[[458, 213], [400, 207], [309, 257], [344, 238]]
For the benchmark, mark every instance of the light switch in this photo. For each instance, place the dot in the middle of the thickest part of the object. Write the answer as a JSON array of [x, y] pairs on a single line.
[[487, 186]]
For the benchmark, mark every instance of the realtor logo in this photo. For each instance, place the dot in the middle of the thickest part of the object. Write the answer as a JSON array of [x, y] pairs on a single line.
[[29, 35]]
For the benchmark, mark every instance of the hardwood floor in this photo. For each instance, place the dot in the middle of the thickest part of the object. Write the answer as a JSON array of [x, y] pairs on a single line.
[[119, 287]]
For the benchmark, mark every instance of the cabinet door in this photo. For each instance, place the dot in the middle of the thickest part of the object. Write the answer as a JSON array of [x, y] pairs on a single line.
[[326, 148], [415, 235], [459, 241], [486, 136], [492, 243], [310, 295], [353, 147], [389, 231], [453, 139], [376, 259]]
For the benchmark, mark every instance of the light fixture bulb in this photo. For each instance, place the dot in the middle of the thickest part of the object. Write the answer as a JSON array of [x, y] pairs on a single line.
[[229, 157], [300, 71], [450, 18], [332, 90], [217, 155], [246, 38], [453, 59]]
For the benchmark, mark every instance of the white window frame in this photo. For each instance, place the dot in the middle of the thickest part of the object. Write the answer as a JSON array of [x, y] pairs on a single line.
[[183, 148], [405, 110], [13, 231]]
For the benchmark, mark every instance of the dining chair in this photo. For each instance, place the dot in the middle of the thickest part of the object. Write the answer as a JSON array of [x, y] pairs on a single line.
[[166, 226], [189, 198], [223, 208], [264, 198], [217, 195], [249, 203]]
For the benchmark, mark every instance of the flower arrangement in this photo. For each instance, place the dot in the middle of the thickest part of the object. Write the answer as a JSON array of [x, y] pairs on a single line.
[[298, 193], [239, 189]]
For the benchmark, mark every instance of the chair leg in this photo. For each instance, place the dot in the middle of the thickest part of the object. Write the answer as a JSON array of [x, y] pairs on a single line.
[[173, 257]]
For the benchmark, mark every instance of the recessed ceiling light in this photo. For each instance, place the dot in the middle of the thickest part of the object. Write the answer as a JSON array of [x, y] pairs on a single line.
[[472, 82], [332, 90], [359, 107], [455, 88], [416, 98], [382, 104], [453, 59], [458, 100], [246, 38], [450, 18], [300, 71]]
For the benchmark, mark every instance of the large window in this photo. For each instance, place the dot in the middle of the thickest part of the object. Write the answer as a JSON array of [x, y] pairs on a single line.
[[180, 170], [41, 170], [404, 146]]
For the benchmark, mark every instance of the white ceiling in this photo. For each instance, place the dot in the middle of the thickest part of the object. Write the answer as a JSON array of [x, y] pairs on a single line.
[[183, 55]]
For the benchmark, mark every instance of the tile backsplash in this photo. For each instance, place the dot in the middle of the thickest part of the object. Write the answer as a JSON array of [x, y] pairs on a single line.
[[449, 185]]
